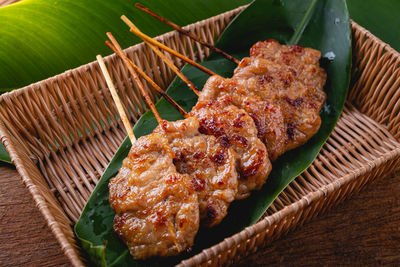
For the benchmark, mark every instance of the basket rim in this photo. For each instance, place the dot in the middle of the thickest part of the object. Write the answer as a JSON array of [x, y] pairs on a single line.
[[88, 65]]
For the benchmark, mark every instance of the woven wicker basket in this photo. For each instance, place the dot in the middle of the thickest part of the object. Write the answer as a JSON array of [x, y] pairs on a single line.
[[53, 133]]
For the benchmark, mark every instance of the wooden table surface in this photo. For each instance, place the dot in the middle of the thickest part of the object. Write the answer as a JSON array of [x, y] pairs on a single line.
[[365, 230]]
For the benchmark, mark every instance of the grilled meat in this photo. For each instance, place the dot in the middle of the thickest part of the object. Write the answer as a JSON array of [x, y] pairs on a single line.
[[281, 87], [233, 127], [210, 164], [191, 170], [267, 116], [288, 76], [157, 210]]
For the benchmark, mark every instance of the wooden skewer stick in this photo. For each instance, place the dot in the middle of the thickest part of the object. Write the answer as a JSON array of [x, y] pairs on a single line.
[[131, 67], [118, 50], [116, 99], [185, 32], [150, 40], [152, 83], [164, 58], [135, 77]]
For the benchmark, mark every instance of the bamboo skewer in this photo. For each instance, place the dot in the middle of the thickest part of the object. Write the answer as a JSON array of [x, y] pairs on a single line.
[[135, 77], [116, 99], [148, 39], [147, 98], [185, 80], [151, 82], [115, 46], [185, 32], [154, 45], [164, 58]]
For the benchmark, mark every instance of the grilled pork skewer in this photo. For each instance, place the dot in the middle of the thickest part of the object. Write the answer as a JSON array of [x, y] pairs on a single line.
[[210, 164], [286, 81], [234, 128], [267, 116], [157, 210], [289, 76]]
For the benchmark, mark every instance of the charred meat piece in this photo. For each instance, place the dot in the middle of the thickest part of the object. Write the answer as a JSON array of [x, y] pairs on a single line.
[[289, 76], [157, 210], [210, 164], [267, 116], [233, 127], [301, 61]]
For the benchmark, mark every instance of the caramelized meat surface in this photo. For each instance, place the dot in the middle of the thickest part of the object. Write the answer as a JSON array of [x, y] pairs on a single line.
[[233, 127], [289, 76], [303, 62], [157, 210], [283, 82], [267, 116], [210, 164]]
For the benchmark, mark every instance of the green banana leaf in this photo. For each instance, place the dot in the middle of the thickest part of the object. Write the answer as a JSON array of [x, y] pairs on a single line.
[[4, 155], [42, 38], [323, 25], [379, 17]]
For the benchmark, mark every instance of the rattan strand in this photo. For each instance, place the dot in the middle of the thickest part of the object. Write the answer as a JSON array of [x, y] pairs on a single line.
[[62, 132]]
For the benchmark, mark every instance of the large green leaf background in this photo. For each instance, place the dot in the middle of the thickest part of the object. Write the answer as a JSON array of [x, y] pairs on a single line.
[[379, 17], [41, 38], [323, 25]]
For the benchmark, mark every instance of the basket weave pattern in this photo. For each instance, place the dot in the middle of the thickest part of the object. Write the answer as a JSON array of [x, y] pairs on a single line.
[[62, 132]]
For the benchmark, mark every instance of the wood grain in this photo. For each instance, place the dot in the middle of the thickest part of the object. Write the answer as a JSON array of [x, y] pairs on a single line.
[[25, 239], [363, 231]]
